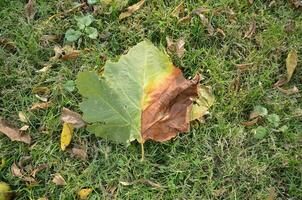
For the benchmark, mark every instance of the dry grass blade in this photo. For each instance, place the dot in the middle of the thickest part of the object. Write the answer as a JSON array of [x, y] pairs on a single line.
[[131, 10], [252, 28], [185, 19], [13, 133], [244, 66], [219, 30], [143, 181]]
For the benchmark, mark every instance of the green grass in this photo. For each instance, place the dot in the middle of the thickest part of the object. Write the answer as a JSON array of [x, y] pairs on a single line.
[[220, 155]]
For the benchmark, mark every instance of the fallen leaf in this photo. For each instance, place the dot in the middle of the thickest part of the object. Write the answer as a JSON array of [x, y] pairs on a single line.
[[8, 44], [272, 194], [83, 193], [66, 52], [244, 66], [24, 128], [131, 10], [220, 31], [43, 105], [24, 160], [176, 47], [178, 10], [291, 63], [46, 67], [252, 28], [45, 99], [143, 181], [200, 10], [290, 91], [185, 19], [71, 55], [41, 90], [251, 122], [79, 153], [13, 133], [30, 10], [58, 179], [66, 135], [38, 169], [280, 82], [160, 108], [16, 171], [29, 180], [205, 22], [22, 117], [72, 117]]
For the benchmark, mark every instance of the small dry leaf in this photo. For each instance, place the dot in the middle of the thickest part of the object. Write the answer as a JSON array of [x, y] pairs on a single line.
[[41, 98], [8, 44], [290, 91], [72, 117], [251, 30], [205, 22], [180, 47], [79, 153], [46, 67], [179, 10], [43, 105], [24, 160], [244, 66], [22, 117], [58, 179], [30, 180], [251, 122], [291, 63], [220, 31], [58, 53], [170, 45], [83, 193], [131, 10], [65, 53], [13, 133], [38, 169], [24, 128], [41, 90], [66, 135], [16, 171], [280, 82], [30, 10], [185, 19], [71, 55]]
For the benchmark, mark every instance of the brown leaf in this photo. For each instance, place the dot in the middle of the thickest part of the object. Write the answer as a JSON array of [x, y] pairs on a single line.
[[179, 10], [46, 67], [185, 19], [180, 47], [220, 31], [79, 153], [8, 44], [38, 169], [131, 10], [170, 45], [24, 160], [291, 63], [290, 91], [30, 10], [252, 28], [71, 55], [45, 99], [296, 3], [65, 53], [205, 22], [30, 180], [280, 82], [22, 117], [72, 117], [43, 105], [13, 133], [16, 171], [167, 113], [58, 179], [244, 66], [251, 122]]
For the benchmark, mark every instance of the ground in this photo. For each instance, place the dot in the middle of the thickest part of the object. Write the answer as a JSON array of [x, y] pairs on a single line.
[[220, 159]]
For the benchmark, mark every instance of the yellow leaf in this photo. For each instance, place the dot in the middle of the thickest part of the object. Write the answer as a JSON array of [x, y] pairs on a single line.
[[291, 63], [66, 135], [83, 193]]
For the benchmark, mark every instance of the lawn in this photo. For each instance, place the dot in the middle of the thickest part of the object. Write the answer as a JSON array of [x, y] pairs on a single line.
[[219, 159]]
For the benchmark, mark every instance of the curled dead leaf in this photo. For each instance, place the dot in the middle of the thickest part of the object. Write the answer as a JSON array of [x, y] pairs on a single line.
[[46, 67], [177, 47], [131, 10], [252, 28], [79, 153], [66, 52], [220, 31], [38, 169], [44, 99], [290, 91], [58, 179], [200, 10], [43, 105], [13, 133], [205, 22], [72, 117], [16, 171], [251, 122], [66, 135], [84, 193], [280, 82]]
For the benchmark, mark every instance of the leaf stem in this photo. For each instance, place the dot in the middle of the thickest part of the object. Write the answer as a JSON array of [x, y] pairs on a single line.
[[143, 151]]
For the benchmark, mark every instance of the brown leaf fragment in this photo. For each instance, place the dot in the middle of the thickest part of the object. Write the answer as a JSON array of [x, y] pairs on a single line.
[[71, 55], [244, 66], [65, 53], [38, 169], [29, 180], [41, 90], [30, 10], [131, 10], [58, 179], [58, 53], [170, 45], [204, 20], [169, 107], [46, 67], [79, 153], [185, 19], [220, 31], [200, 10], [252, 28], [179, 10], [44, 99], [8, 44], [24, 128], [72, 117], [16, 171], [180, 47], [13, 133], [290, 91], [251, 122], [22, 117], [24, 160], [291, 63], [43, 105], [280, 82]]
